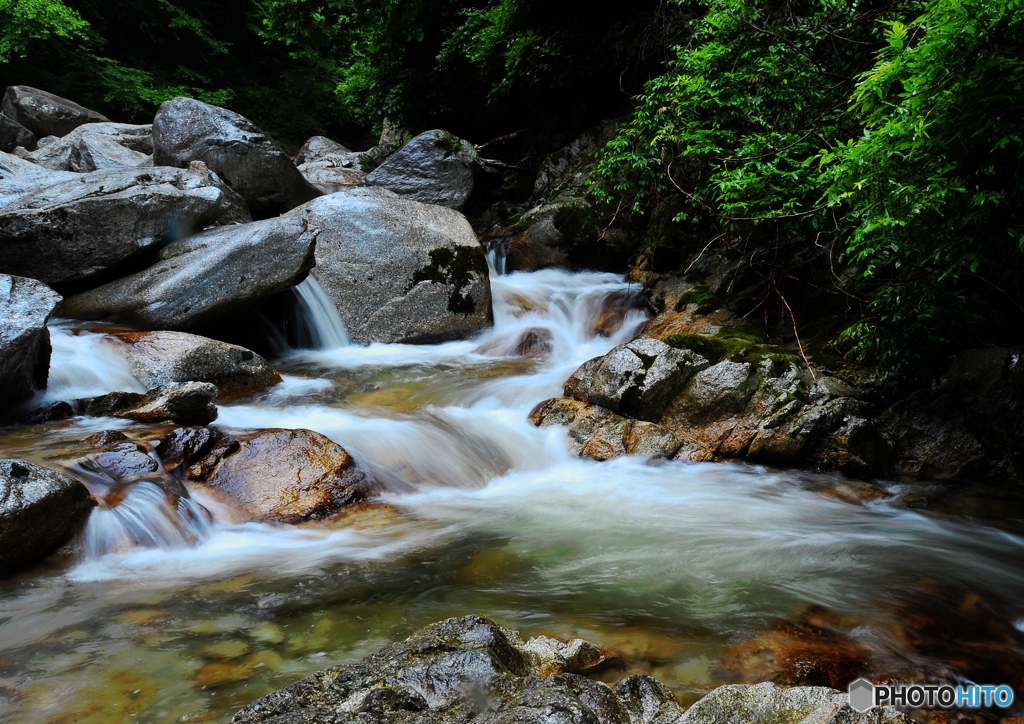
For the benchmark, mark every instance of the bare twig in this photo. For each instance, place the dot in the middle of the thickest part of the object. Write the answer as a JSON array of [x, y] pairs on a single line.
[[702, 252], [499, 164], [795, 334], [499, 139]]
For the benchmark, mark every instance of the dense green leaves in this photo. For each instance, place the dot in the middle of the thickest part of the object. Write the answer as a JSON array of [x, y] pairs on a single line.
[[887, 134]]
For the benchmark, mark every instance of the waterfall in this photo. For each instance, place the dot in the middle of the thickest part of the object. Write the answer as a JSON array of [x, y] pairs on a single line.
[[317, 323]]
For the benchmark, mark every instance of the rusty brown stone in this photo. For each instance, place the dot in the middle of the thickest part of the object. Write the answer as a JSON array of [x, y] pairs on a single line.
[[287, 476]]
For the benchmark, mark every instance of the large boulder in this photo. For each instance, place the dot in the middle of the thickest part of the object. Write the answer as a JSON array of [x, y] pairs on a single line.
[[204, 277], [284, 475], [44, 113], [316, 148], [187, 130], [157, 358], [89, 223], [19, 178], [25, 307], [720, 397], [13, 134], [435, 167], [398, 270], [457, 670], [40, 510], [96, 146]]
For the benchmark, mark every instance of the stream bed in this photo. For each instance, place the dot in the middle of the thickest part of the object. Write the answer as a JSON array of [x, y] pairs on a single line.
[[683, 571]]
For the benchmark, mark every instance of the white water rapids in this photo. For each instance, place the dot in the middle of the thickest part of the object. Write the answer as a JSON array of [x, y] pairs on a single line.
[[494, 516]]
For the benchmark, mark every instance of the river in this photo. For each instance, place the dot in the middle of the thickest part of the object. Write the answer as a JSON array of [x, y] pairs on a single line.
[[675, 567]]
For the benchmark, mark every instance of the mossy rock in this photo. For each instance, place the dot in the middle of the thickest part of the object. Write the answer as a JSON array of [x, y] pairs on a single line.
[[739, 344], [454, 267]]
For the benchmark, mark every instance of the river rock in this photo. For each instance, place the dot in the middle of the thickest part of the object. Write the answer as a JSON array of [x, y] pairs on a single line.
[[768, 704], [25, 307], [758, 404], [44, 113], [40, 510], [187, 130], [598, 433], [331, 174], [285, 475], [434, 167], [185, 403], [316, 148], [91, 222], [971, 422], [639, 378], [156, 358], [183, 446], [532, 342], [19, 177], [95, 146], [398, 270], [204, 277], [13, 134]]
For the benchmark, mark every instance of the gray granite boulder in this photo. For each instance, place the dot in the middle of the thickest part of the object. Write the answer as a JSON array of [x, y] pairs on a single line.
[[157, 358], [204, 277], [398, 270], [19, 177], [91, 222], [25, 307], [434, 167], [40, 509], [44, 113], [95, 146], [639, 378], [317, 147], [13, 134], [187, 130]]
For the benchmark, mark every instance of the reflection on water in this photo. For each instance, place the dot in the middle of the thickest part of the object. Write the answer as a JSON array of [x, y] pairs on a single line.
[[697, 574]]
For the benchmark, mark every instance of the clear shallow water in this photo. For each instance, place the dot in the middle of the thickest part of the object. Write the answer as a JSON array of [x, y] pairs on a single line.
[[670, 565]]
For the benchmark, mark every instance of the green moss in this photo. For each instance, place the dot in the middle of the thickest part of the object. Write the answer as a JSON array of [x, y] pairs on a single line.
[[449, 144], [705, 299], [739, 344], [454, 267]]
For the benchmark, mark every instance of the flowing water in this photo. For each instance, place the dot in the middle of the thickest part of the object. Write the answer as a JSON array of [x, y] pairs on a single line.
[[166, 615]]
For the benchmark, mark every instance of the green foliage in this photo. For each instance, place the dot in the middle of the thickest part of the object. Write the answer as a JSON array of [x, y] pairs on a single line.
[[930, 193], [22, 21], [125, 58], [886, 135], [470, 66]]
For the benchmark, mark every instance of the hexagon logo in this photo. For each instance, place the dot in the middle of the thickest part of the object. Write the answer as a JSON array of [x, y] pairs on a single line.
[[862, 695]]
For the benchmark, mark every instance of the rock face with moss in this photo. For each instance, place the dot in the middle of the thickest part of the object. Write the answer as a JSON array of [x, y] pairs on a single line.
[[712, 390], [470, 669], [398, 270], [435, 168]]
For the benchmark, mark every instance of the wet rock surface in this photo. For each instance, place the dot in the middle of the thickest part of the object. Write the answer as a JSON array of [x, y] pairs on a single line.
[[40, 509], [468, 668], [434, 167], [25, 307], [13, 134], [157, 358], [186, 403], [204, 277], [187, 130], [95, 146], [19, 178], [46, 114], [90, 222], [316, 147], [282, 475], [398, 270]]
